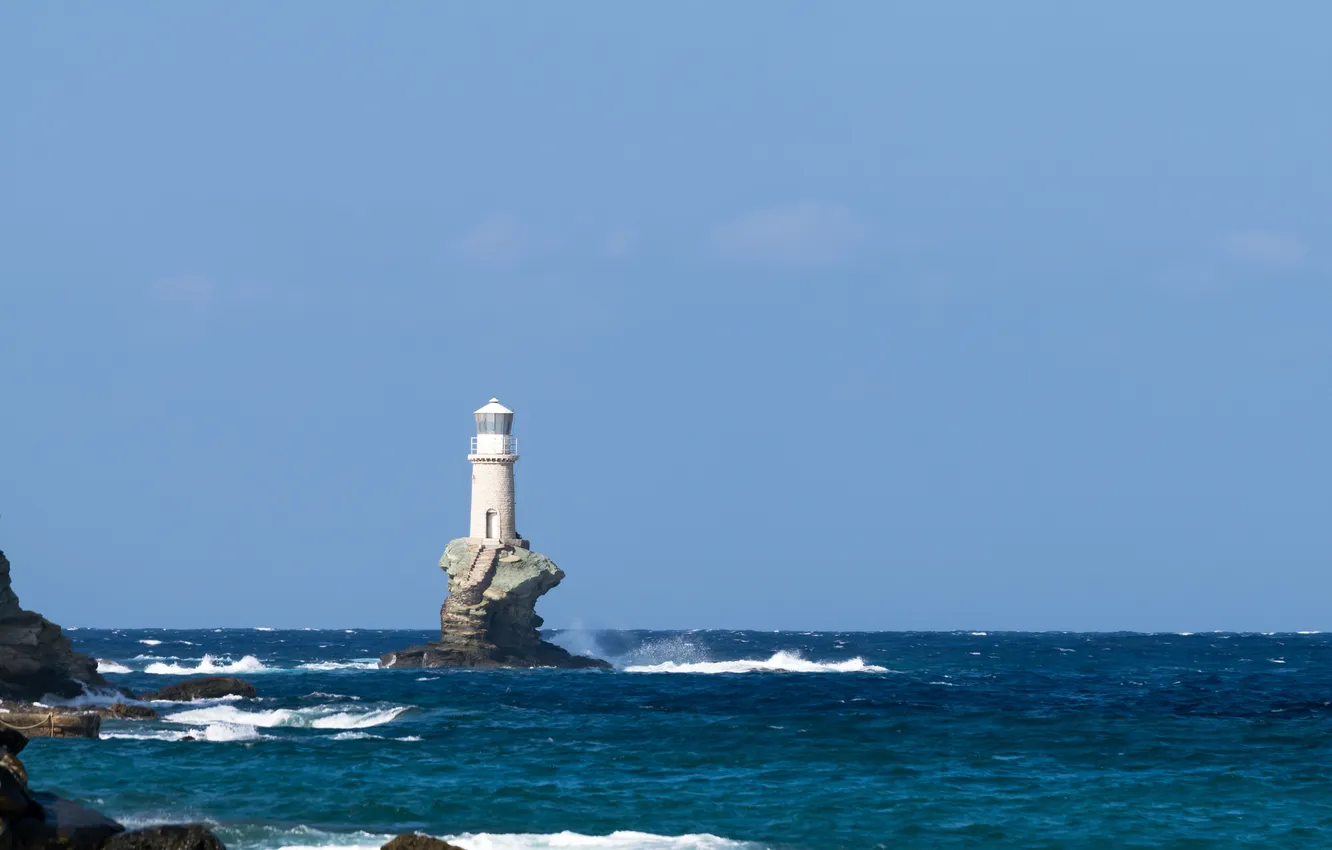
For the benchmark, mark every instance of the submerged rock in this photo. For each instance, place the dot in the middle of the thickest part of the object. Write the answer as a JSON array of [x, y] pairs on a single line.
[[417, 841], [192, 836], [489, 618], [208, 687], [36, 659]]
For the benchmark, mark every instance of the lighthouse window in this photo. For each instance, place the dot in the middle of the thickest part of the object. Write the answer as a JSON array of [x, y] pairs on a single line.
[[494, 423]]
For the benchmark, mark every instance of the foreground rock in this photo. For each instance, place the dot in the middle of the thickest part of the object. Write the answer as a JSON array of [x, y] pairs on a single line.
[[416, 841], [36, 659], [35, 821], [489, 618], [188, 837], [208, 687]]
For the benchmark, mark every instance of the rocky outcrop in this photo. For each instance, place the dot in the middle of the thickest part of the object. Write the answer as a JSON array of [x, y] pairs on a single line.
[[192, 836], [35, 821], [489, 618], [207, 687], [36, 659]]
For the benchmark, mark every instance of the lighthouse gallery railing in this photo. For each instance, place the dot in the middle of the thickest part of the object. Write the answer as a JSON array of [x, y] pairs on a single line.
[[507, 446]]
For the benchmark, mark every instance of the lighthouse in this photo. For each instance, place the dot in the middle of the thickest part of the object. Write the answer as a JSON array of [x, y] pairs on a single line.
[[494, 452]]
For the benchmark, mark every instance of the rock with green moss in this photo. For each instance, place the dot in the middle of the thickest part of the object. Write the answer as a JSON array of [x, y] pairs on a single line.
[[489, 618]]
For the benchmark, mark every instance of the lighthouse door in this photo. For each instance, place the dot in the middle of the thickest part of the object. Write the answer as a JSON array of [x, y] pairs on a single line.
[[492, 525]]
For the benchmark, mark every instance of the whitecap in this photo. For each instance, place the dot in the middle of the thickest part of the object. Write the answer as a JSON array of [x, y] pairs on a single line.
[[209, 664], [979, 634], [150, 642], [356, 736], [1277, 660], [262, 629], [317, 717], [214, 733], [311, 839], [106, 665], [621, 840], [1315, 632], [355, 664], [781, 662]]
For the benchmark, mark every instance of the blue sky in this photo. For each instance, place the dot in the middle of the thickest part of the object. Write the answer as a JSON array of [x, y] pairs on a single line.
[[856, 315]]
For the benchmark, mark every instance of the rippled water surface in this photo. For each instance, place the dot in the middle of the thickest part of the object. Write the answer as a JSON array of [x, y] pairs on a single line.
[[727, 739]]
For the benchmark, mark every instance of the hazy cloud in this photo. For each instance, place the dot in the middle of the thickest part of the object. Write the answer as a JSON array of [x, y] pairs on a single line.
[[791, 237], [188, 293], [1268, 249], [193, 300], [496, 243], [504, 243]]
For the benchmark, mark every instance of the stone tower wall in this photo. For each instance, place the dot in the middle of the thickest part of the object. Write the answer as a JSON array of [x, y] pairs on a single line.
[[492, 489]]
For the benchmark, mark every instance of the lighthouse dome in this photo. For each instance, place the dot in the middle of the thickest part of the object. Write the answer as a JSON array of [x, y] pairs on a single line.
[[494, 418]]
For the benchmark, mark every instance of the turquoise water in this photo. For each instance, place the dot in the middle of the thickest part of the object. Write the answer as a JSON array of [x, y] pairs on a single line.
[[697, 740]]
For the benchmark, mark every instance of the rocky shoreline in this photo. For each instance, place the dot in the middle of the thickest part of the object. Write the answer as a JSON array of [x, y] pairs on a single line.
[[494, 626], [489, 618]]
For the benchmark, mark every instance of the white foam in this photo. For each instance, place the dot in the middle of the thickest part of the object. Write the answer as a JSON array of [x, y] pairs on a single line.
[[317, 717], [150, 642], [356, 736], [213, 732], [614, 841], [781, 662], [355, 664], [106, 665], [146, 735], [262, 629], [209, 664], [553, 841]]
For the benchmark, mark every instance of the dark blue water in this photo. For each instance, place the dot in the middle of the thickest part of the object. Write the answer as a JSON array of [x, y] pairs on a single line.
[[930, 740]]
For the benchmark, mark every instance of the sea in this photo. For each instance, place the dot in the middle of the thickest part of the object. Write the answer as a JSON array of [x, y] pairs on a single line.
[[712, 740]]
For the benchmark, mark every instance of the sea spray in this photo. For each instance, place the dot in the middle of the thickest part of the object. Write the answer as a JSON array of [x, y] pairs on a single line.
[[209, 664], [317, 717], [780, 662]]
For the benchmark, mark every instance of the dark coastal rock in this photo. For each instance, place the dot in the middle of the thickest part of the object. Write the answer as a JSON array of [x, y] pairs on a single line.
[[489, 618], [208, 687], [126, 711], [15, 798], [12, 740], [417, 841], [59, 824], [192, 836], [36, 659]]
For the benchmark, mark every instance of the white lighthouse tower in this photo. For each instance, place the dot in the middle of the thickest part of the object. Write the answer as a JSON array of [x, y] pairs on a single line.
[[494, 452]]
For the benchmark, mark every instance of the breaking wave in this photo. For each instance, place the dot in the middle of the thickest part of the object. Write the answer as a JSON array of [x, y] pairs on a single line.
[[150, 642], [213, 732], [209, 664], [306, 838], [355, 664], [106, 665], [318, 717], [780, 662]]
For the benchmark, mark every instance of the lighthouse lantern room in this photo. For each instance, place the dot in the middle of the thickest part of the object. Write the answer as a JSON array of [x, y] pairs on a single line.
[[493, 453]]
